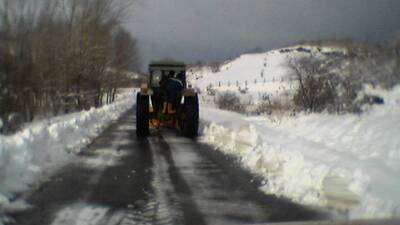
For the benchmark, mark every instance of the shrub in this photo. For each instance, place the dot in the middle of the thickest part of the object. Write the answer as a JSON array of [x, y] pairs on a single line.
[[215, 67], [243, 91], [230, 101], [321, 89], [274, 107], [315, 94], [210, 90]]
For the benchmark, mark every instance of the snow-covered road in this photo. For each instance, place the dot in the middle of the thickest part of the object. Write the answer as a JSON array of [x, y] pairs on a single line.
[[163, 179], [342, 162]]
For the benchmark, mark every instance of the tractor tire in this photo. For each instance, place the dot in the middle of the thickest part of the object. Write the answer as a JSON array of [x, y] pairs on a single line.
[[190, 117], [142, 115]]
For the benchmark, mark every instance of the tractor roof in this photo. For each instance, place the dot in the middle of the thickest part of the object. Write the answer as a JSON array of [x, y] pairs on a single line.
[[167, 63]]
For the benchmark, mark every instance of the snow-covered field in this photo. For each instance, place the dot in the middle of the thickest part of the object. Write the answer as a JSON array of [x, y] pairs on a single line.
[[350, 163], [43, 146]]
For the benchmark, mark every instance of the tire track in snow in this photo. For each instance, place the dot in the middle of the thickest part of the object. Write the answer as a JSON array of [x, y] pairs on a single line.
[[172, 201], [83, 213]]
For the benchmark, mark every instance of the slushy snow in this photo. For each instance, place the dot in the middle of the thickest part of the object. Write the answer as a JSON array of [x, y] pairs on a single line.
[[44, 146]]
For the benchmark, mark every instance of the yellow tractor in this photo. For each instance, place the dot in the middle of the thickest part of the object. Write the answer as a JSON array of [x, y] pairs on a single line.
[[167, 101]]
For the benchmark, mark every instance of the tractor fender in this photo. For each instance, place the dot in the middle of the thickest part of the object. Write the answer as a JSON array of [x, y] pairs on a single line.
[[144, 89]]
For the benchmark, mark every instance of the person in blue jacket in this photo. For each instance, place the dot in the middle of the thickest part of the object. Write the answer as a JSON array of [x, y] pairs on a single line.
[[173, 89]]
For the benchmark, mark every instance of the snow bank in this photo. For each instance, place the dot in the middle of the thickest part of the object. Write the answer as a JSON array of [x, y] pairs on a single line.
[[43, 146], [348, 162]]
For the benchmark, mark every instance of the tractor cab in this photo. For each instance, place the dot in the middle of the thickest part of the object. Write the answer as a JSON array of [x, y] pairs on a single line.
[[160, 71], [167, 101]]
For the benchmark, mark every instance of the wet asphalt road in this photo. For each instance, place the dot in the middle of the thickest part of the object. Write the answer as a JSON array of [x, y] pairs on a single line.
[[163, 179]]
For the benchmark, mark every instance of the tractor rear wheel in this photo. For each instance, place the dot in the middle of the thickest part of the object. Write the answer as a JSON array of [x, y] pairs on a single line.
[[142, 115], [190, 116]]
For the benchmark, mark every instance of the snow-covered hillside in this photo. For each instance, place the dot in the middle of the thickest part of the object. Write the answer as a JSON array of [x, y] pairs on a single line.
[[347, 162], [258, 75], [43, 146]]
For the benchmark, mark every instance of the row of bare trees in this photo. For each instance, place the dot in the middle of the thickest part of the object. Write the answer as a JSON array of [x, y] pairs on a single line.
[[58, 56]]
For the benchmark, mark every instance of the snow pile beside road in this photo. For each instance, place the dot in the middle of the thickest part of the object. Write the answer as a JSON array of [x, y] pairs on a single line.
[[43, 146], [347, 162]]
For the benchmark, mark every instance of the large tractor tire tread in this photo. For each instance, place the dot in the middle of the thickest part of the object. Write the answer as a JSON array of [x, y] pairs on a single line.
[[190, 117], [142, 115]]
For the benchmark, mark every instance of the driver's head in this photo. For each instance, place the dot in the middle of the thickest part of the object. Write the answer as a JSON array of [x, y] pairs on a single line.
[[171, 73]]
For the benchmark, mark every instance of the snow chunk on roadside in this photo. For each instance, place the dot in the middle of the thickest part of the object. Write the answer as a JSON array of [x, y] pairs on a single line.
[[238, 143]]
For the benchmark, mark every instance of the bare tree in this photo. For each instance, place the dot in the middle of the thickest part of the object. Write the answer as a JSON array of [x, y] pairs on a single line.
[[316, 85], [62, 55]]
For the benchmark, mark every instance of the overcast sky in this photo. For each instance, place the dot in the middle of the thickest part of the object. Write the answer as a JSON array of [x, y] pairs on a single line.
[[207, 30]]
